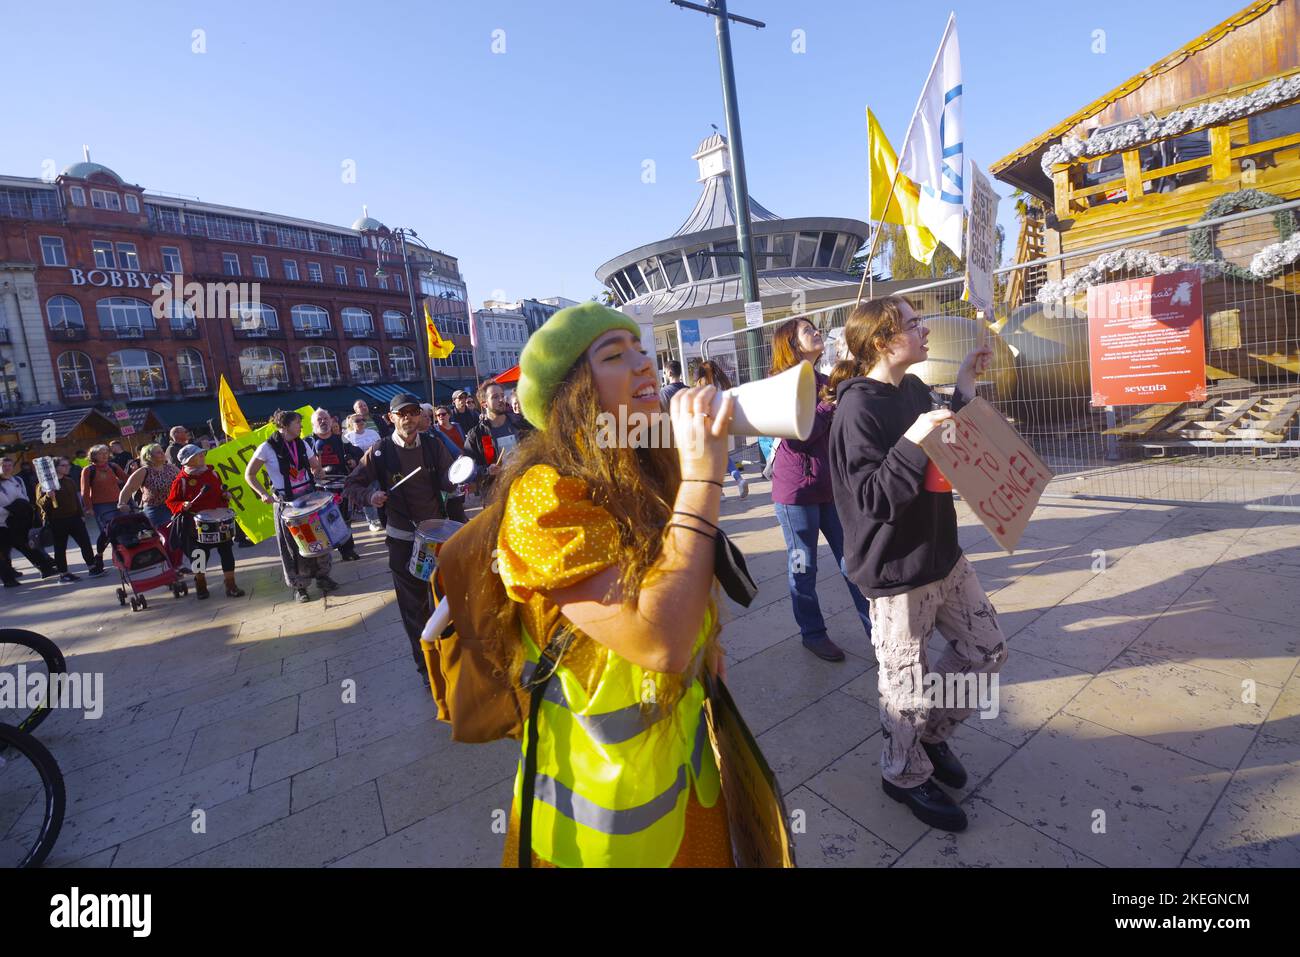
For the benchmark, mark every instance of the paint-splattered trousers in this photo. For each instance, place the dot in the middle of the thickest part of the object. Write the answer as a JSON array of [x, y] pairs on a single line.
[[901, 626]]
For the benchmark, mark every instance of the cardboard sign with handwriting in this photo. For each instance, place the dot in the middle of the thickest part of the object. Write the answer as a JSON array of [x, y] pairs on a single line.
[[993, 468], [756, 814]]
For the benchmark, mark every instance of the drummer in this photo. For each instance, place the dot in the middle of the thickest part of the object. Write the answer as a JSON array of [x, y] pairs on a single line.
[[198, 489], [407, 452], [289, 465], [337, 459]]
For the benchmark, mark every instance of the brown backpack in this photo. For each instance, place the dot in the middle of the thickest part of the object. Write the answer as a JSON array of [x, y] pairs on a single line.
[[470, 662]]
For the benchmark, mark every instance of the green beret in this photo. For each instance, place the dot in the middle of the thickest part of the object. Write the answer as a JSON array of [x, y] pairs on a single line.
[[552, 350]]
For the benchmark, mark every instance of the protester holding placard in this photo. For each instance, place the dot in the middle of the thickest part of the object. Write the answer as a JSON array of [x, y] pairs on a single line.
[[901, 549]]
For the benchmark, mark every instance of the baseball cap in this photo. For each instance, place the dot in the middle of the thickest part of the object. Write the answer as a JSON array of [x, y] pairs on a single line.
[[458, 393], [401, 401]]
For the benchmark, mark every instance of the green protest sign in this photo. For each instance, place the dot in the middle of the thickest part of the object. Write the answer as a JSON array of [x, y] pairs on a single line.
[[229, 460]]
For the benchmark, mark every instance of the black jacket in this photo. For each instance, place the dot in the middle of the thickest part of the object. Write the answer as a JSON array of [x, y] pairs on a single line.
[[475, 446], [897, 536]]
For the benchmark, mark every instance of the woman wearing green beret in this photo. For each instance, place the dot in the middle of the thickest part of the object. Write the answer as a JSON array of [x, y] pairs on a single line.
[[619, 543]]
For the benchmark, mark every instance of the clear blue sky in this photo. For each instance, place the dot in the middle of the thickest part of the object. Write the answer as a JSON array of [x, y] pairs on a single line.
[[527, 165]]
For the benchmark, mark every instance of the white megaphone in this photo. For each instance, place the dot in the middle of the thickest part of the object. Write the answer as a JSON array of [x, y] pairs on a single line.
[[781, 406]]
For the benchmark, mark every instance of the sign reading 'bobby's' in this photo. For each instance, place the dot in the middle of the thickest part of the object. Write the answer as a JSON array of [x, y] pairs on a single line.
[[998, 475]]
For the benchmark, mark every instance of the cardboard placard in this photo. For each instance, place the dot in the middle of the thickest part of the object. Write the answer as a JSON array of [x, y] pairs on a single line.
[[993, 468], [756, 815], [981, 242]]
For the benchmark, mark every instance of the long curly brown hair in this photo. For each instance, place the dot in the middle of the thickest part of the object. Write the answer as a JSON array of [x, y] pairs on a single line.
[[637, 486]]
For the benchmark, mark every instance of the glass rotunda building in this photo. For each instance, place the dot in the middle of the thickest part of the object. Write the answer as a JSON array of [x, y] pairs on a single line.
[[694, 274]]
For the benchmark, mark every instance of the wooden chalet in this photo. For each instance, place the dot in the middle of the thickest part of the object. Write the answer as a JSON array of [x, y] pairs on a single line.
[[1081, 198]]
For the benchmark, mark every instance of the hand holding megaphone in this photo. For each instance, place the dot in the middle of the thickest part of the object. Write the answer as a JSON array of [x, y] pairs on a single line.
[[780, 406]]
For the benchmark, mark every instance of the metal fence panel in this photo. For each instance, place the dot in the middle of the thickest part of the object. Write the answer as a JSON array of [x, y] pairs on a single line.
[[1240, 447]]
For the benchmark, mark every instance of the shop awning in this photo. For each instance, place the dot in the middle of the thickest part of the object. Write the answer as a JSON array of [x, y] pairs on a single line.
[[258, 406]]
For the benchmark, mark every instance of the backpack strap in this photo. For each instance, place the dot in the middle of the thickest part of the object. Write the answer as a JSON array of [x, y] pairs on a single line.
[[541, 678]]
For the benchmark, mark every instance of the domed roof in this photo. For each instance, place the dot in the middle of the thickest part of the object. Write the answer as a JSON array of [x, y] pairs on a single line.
[[368, 224], [86, 169]]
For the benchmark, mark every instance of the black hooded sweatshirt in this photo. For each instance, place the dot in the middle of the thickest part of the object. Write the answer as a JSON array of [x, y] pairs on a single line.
[[897, 536]]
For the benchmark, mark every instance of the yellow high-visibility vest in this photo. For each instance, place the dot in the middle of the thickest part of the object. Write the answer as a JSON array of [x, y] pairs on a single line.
[[614, 772]]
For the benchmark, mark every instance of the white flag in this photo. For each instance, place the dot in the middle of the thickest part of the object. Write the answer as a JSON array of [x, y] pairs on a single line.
[[934, 150]]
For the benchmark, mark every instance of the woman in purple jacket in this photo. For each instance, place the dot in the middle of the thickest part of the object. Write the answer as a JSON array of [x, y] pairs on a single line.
[[801, 493]]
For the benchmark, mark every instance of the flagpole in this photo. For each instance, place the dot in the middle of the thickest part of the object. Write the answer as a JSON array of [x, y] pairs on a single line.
[[952, 18], [868, 272]]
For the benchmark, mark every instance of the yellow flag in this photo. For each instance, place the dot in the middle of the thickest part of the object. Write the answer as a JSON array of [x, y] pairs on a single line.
[[903, 208], [439, 348], [233, 422]]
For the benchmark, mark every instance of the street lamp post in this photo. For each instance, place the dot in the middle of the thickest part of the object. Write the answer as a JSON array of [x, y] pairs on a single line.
[[739, 185], [385, 245]]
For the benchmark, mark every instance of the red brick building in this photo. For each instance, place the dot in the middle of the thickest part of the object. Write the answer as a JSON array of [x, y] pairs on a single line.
[[148, 299]]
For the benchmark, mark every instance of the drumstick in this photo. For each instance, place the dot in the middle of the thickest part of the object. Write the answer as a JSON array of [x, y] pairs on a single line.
[[404, 478]]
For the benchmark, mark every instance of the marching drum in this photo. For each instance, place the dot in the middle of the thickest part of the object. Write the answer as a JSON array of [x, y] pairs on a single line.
[[463, 470], [333, 485], [315, 524], [429, 536], [214, 526]]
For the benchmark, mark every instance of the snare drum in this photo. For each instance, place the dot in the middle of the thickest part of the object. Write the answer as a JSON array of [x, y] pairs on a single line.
[[315, 524], [214, 526], [429, 536], [463, 470], [334, 486]]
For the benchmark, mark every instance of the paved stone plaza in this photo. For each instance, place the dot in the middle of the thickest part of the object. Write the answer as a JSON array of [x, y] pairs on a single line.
[[1126, 708]]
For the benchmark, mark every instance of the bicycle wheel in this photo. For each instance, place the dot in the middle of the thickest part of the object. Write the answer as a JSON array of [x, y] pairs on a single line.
[[32, 653], [32, 799]]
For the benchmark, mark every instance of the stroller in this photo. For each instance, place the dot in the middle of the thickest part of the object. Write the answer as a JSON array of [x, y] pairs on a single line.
[[142, 559]]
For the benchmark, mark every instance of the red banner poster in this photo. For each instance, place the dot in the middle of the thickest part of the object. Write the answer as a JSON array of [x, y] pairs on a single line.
[[1146, 340]]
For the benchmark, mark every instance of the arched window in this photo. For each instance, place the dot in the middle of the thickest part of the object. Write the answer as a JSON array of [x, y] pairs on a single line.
[[263, 368], [137, 373], [402, 361], [193, 376], [77, 376], [394, 323], [310, 320], [357, 321], [363, 364], [319, 366], [254, 318], [125, 318], [64, 312]]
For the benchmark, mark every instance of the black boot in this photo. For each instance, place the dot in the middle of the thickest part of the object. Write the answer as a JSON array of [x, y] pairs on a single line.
[[930, 804], [326, 584], [947, 769]]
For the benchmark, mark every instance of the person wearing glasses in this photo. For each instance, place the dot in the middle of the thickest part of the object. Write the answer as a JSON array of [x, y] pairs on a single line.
[[901, 550], [410, 470]]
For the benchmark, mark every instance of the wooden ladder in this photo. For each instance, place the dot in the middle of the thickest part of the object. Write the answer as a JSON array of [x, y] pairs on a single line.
[[1031, 245]]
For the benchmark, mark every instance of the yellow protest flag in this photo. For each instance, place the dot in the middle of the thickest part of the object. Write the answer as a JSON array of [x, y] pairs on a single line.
[[439, 348], [233, 422], [904, 207]]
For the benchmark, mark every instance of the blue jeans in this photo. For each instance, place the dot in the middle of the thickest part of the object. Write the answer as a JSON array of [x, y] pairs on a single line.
[[159, 516], [800, 525], [105, 512]]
